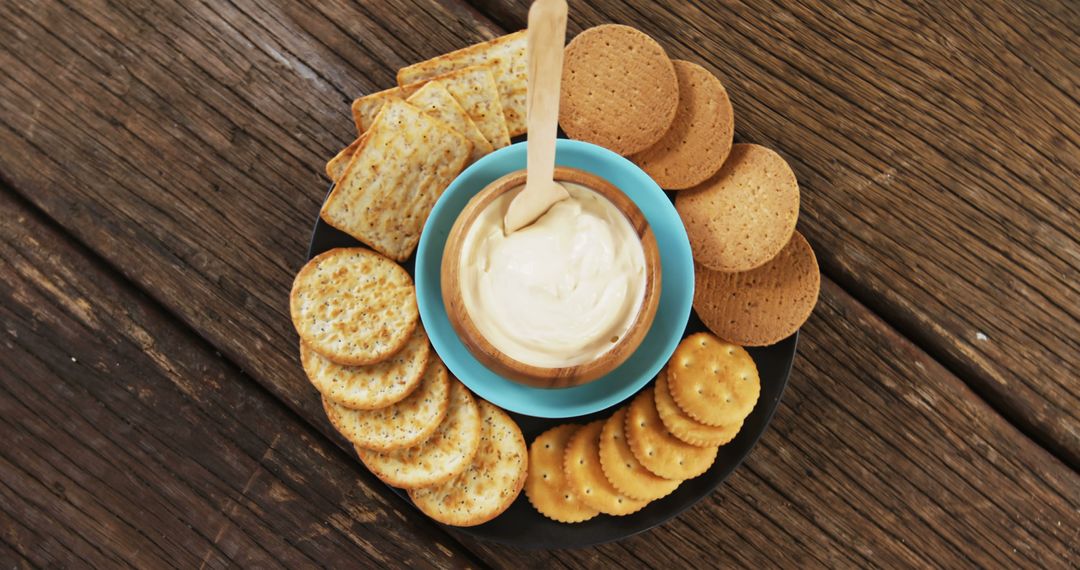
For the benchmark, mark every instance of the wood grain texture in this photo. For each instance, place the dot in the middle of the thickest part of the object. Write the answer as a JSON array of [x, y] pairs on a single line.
[[937, 146], [183, 145], [127, 442]]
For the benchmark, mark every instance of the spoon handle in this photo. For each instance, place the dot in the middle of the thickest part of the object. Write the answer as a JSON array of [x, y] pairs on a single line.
[[546, 36]]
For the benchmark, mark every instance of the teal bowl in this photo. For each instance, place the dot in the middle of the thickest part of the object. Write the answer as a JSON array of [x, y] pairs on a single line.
[[667, 328]]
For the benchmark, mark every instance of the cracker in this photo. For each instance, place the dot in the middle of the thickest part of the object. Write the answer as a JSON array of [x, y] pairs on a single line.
[[658, 450], [585, 476], [400, 169], [443, 455], [372, 386], [474, 89], [762, 306], [401, 425], [505, 54], [682, 426], [490, 484], [366, 108], [434, 99], [619, 89], [713, 381], [745, 214], [353, 306], [336, 166], [699, 140], [546, 486], [623, 470]]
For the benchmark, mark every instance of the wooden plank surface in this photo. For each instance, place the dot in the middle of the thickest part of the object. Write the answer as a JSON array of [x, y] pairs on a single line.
[[937, 145], [183, 144], [128, 442]]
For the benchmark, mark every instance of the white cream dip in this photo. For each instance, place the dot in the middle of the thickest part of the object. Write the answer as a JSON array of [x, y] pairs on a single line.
[[559, 292]]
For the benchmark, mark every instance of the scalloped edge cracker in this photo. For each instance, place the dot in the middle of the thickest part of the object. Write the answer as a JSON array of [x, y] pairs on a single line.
[[547, 487]]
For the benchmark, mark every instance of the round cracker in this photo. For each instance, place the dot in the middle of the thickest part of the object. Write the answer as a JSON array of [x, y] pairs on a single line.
[[444, 454], [490, 484], [744, 215], [353, 306], [623, 470], [713, 381], [684, 427], [372, 386], [546, 485], [619, 89], [401, 425], [658, 450], [699, 140], [585, 477], [762, 306]]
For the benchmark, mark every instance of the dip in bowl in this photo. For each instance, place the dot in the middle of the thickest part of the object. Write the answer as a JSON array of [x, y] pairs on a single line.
[[562, 301]]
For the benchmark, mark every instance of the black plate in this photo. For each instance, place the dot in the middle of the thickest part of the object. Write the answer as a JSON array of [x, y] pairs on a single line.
[[522, 526]]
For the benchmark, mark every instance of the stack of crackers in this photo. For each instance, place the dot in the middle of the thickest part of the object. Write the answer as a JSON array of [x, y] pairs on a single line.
[[669, 433], [757, 279], [414, 426], [415, 138]]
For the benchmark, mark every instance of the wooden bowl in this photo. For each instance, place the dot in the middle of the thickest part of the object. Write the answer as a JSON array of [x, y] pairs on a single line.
[[513, 369]]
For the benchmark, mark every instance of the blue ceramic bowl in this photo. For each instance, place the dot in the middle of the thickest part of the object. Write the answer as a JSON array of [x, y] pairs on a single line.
[[667, 328]]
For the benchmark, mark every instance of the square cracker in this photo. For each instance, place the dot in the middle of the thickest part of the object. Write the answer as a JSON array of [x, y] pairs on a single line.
[[402, 166], [336, 166], [434, 99], [505, 54], [366, 108], [474, 89]]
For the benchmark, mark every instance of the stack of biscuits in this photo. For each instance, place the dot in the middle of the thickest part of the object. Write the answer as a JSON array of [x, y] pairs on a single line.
[[414, 426], [415, 138], [757, 279], [669, 433]]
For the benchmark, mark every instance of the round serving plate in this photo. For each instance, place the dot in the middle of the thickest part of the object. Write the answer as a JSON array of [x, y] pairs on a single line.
[[538, 409]]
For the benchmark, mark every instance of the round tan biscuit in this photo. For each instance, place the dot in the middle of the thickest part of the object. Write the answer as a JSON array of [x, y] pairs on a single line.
[[353, 306], [658, 450], [762, 306], [682, 426], [372, 386], [619, 89], [546, 486], [444, 454], [490, 484], [699, 140], [400, 425], [745, 214], [586, 478], [623, 470], [714, 382]]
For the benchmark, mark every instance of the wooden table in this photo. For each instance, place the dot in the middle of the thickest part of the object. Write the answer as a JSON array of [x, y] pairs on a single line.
[[160, 168]]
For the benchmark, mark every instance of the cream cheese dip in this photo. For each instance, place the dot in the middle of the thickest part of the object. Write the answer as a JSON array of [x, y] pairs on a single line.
[[560, 292]]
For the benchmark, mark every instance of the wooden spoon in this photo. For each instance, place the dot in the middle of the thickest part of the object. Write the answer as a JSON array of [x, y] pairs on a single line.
[[546, 37]]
